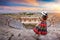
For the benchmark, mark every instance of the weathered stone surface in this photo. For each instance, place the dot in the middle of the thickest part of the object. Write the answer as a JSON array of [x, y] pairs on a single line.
[[8, 33], [16, 24]]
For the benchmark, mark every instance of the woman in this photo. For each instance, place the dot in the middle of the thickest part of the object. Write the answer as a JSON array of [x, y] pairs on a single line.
[[41, 28]]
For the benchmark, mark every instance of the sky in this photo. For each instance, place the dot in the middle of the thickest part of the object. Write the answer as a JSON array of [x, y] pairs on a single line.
[[15, 6]]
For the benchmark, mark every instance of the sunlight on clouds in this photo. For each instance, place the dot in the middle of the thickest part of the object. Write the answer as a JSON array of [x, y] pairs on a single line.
[[30, 2], [48, 7], [21, 8], [52, 7], [33, 2]]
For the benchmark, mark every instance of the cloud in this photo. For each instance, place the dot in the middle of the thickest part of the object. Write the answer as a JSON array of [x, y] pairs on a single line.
[[29, 5], [19, 9], [52, 7], [45, 7], [30, 2], [19, 2], [33, 2], [58, 1], [13, 4], [47, 0]]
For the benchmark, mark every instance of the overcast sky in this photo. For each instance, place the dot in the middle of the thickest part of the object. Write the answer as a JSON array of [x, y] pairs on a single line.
[[7, 6]]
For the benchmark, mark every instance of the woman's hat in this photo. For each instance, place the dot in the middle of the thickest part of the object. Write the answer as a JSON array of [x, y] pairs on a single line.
[[44, 13]]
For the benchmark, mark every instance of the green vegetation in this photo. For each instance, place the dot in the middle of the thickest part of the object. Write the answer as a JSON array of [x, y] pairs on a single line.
[[30, 26]]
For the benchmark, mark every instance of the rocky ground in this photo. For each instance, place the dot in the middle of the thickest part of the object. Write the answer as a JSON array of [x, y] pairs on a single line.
[[8, 32]]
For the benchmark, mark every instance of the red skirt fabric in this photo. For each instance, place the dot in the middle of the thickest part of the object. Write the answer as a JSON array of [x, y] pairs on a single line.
[[39, 32]]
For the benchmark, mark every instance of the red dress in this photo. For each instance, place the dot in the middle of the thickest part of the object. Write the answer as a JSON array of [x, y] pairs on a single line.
[[41, 29]]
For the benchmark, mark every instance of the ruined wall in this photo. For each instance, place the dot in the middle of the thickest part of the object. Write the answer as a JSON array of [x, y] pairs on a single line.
[[11, 22]]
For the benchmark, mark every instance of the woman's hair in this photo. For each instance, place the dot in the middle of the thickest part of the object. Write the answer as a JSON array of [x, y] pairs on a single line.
[[45, 17]]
